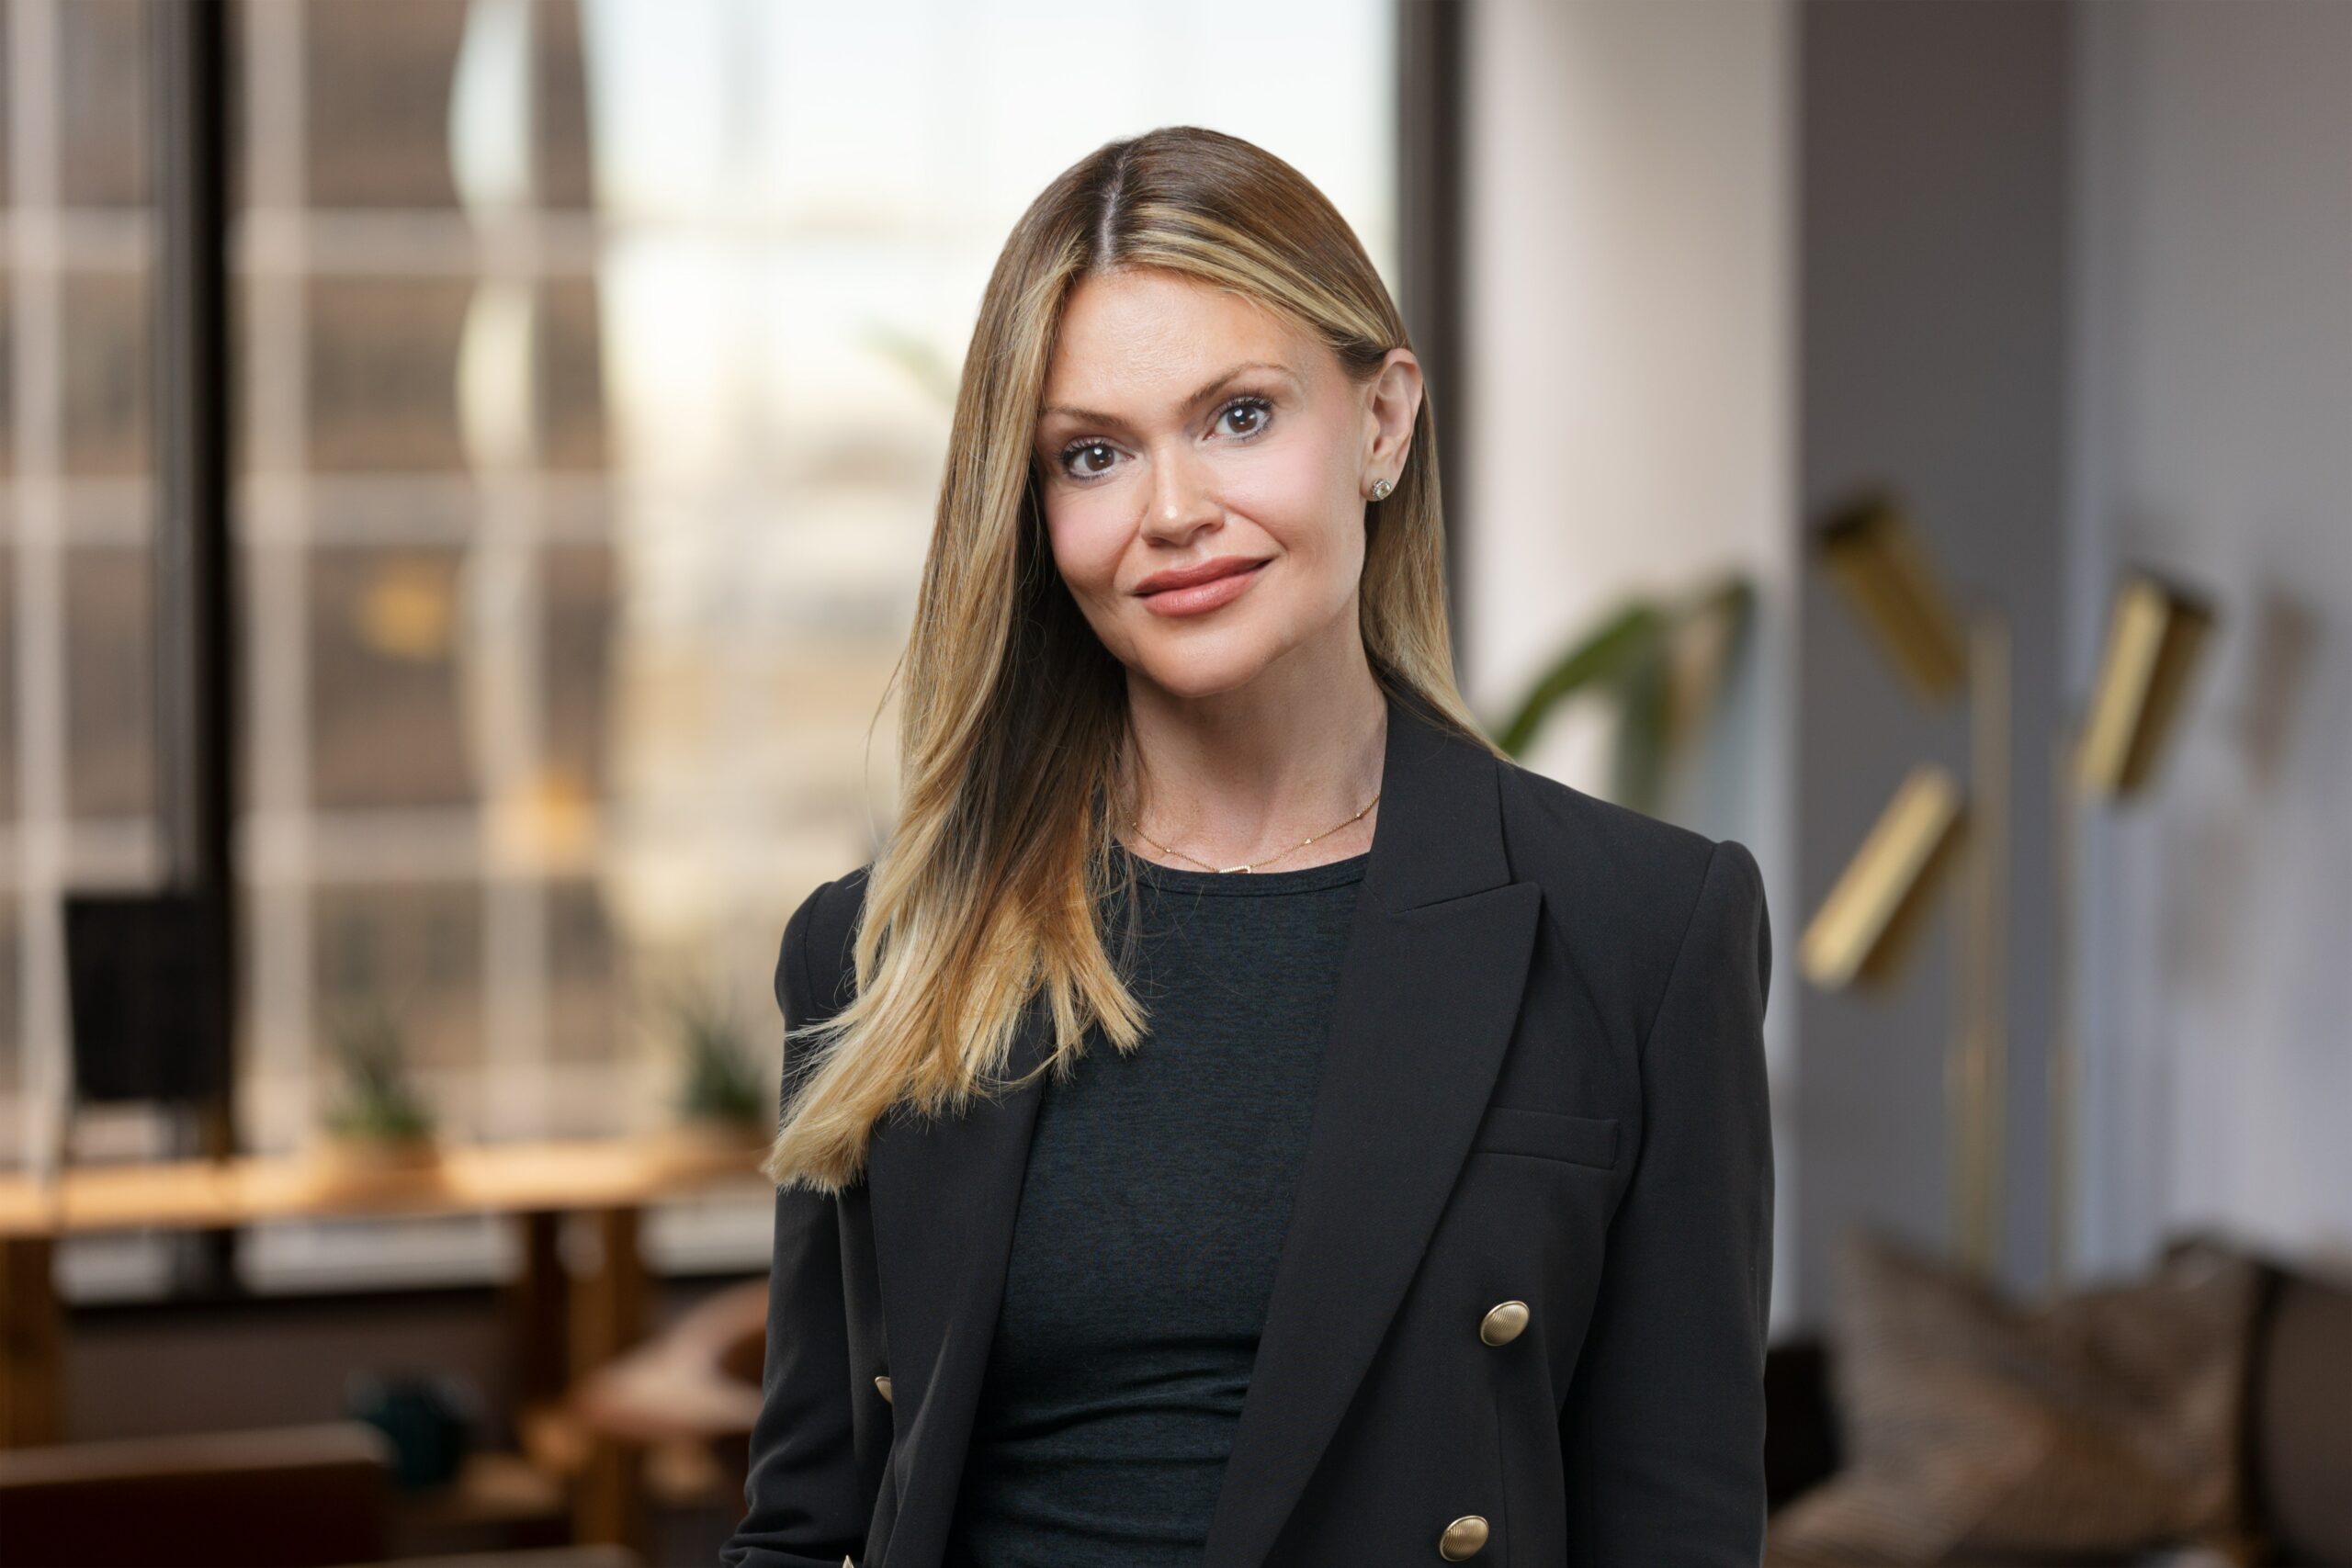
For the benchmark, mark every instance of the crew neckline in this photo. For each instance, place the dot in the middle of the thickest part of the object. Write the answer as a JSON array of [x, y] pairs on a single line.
[[1255, 883]]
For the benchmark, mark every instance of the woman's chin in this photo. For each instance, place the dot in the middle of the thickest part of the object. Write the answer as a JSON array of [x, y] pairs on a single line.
[[1198, 674]]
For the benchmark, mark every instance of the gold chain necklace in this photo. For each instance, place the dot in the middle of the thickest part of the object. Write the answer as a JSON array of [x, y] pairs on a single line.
[[1223, 870]]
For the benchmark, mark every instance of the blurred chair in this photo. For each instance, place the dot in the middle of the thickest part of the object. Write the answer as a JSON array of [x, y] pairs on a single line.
[[2295, 1439], [685, 1397]]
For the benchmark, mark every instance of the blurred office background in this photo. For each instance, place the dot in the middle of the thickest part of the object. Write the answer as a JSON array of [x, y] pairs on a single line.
[[544, 401]]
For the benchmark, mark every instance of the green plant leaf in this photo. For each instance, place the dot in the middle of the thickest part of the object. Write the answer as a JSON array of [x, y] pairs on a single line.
[[1630, 662]]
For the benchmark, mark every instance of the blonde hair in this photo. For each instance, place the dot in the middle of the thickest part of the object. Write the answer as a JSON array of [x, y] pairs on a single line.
[[1012, 735]]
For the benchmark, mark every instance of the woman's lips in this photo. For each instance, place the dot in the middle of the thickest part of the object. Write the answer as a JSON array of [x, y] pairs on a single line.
[[1203, 596]]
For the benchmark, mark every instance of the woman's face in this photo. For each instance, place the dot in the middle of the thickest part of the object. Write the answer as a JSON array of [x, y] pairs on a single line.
[[1185, 427]]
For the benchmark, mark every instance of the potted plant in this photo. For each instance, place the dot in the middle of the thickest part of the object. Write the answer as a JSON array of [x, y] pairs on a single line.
[[1659, 664], [721, 1098], [381, 1122]]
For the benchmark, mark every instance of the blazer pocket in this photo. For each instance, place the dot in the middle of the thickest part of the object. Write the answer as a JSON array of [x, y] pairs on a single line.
[[1548, 1134]]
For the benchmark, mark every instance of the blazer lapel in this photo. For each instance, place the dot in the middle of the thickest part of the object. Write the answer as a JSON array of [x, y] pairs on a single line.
[[944, 1194], [1429, 991]]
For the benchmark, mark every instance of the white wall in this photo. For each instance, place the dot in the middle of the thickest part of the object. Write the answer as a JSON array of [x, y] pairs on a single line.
[[1628, 338], [2214, 301]]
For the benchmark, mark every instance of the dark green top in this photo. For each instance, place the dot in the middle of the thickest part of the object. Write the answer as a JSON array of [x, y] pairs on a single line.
[[1156, 1198]]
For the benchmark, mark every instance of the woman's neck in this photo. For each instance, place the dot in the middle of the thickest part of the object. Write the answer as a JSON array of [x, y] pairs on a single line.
[[1244, 775]]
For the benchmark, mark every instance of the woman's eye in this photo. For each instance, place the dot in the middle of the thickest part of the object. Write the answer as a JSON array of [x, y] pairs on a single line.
[[1078, 456], [1253, 410]]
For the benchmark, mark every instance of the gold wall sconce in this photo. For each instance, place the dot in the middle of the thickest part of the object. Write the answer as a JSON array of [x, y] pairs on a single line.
[[1861, 935], [2157, 629], [1865, 929]]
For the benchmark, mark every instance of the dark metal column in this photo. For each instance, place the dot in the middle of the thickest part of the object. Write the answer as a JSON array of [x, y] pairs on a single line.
[[194, 563], [1431, 60]]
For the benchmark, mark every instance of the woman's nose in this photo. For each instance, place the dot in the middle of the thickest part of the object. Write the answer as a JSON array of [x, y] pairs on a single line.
[[1184, 492]]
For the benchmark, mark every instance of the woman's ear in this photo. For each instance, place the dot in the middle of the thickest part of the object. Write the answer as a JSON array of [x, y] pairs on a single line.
[[1395, 401]]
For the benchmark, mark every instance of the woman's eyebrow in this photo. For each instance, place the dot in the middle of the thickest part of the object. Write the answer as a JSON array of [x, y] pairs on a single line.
[[1208, 390]]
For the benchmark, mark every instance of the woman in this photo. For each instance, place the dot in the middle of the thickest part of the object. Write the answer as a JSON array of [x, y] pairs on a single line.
[[1420, 1209]]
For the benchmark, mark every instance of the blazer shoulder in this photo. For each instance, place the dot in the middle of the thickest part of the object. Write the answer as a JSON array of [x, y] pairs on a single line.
[[822, 935], [1619, 883], [1551, 826]]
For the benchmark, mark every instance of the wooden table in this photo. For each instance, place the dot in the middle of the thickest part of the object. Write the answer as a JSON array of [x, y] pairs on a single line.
[[561, 1326]]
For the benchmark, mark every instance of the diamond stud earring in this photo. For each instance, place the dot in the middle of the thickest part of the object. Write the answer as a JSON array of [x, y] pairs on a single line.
[[1380, 489]]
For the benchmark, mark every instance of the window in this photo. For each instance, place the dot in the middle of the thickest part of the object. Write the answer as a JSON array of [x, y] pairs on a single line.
[[593, 371], [77, 791]]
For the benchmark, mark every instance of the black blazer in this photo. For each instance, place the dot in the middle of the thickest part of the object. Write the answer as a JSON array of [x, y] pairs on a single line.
[[1544, 1084]]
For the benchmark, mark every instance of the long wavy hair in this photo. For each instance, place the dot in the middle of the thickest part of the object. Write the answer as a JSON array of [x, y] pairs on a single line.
[[1014, 730]]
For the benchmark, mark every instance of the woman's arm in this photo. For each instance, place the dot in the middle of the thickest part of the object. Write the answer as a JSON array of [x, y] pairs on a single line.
[[803, 1501], [1662, 1432]]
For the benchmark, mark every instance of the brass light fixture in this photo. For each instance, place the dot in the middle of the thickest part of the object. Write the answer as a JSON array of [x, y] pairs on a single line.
[[2156, 633], [2155, 630], [1865, 928], [1869, 551], [1862, 933]]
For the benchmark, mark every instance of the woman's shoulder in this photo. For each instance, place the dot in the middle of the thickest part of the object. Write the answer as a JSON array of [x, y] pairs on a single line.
[[1561, 828], [1618, 882], [838, 901], [821, 934]]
